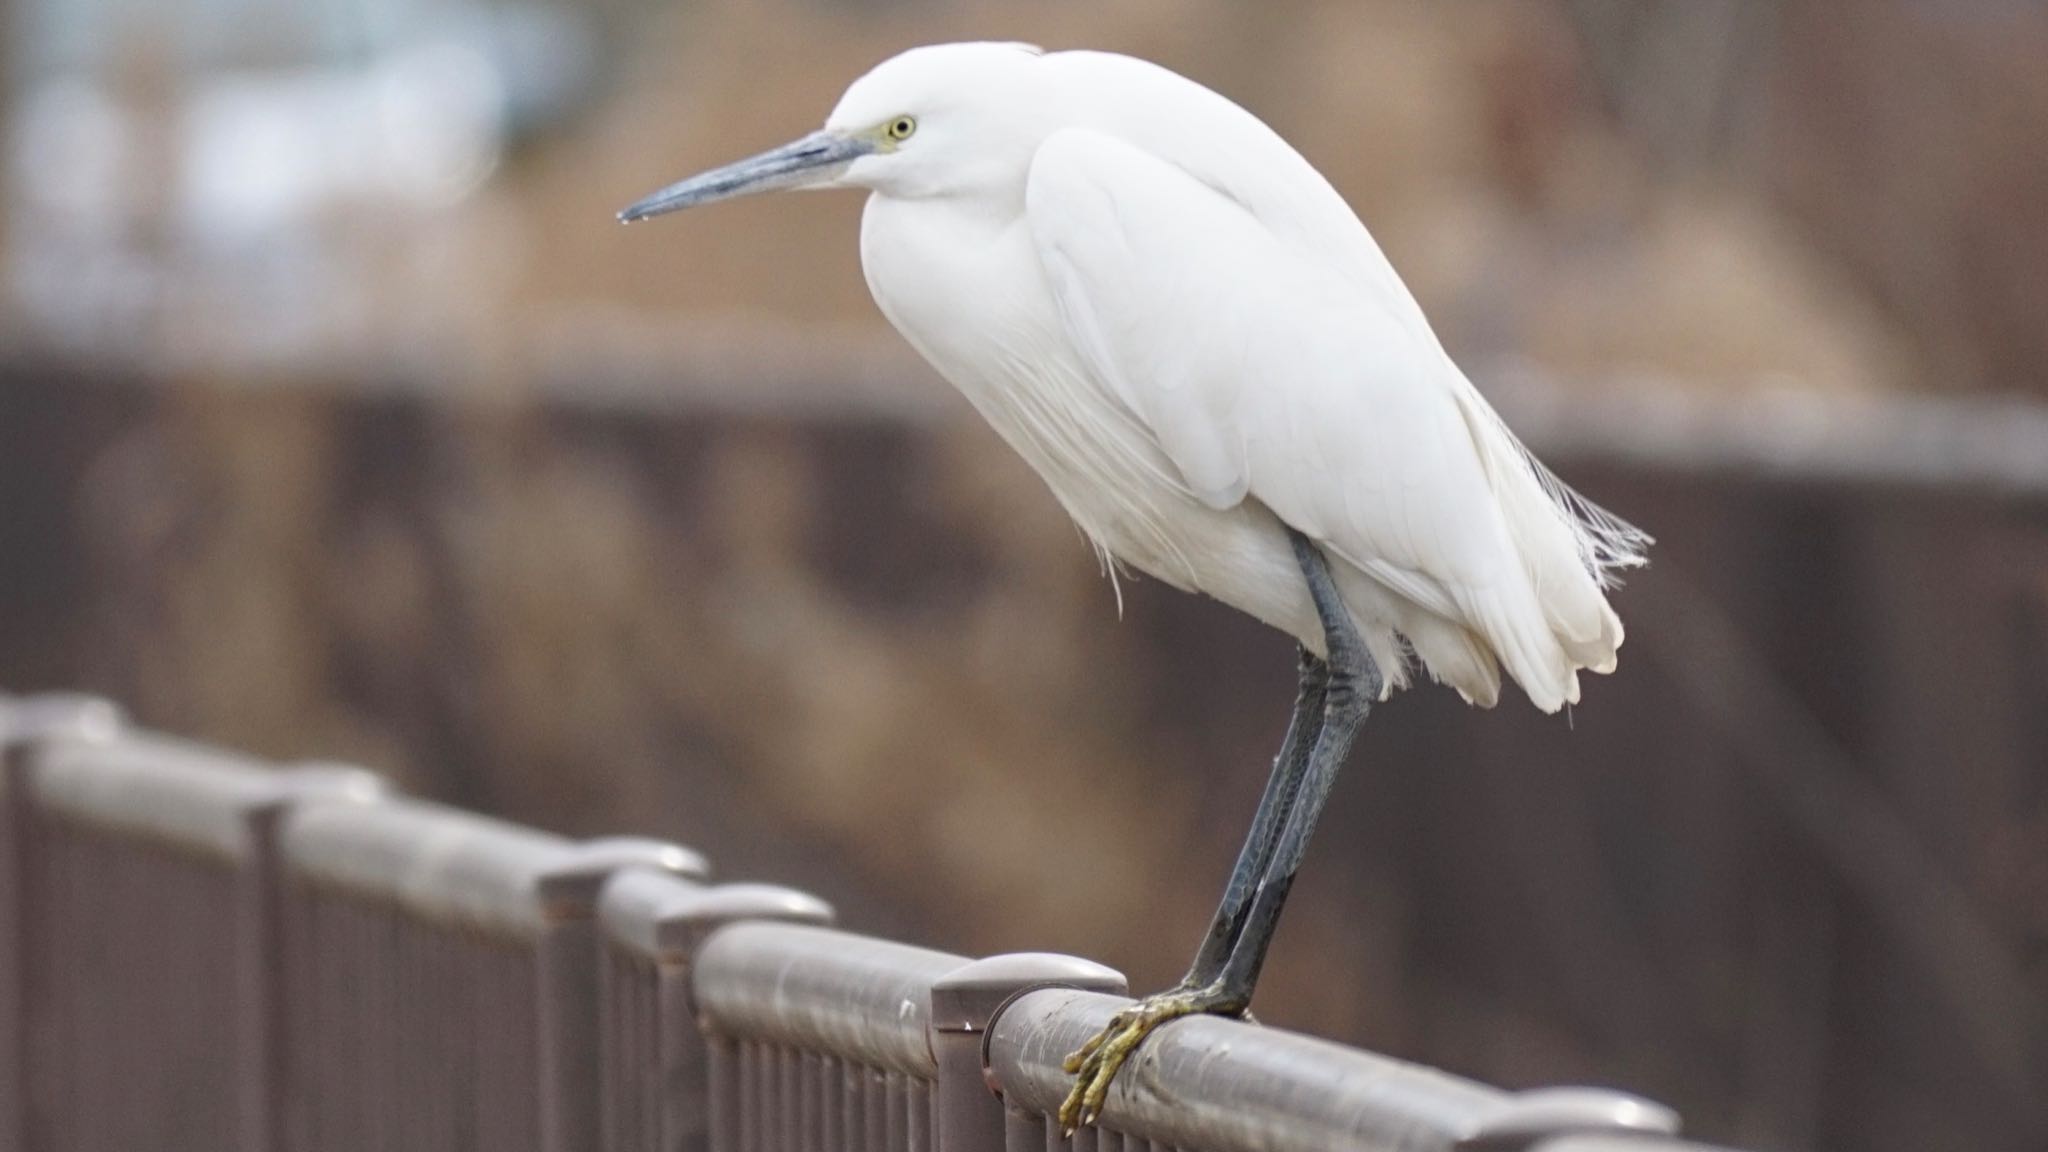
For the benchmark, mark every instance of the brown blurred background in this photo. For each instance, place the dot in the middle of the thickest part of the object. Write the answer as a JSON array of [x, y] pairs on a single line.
[[338, 420]]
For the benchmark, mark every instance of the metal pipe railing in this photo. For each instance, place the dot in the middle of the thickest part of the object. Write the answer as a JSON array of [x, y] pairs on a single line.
[[143, 921], [441, 974], [207, 952], [826, 1040], [1228, 1086], [817, 1038]]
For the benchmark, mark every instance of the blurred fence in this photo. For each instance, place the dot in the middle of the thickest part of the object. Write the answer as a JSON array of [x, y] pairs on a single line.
[[205, 952]]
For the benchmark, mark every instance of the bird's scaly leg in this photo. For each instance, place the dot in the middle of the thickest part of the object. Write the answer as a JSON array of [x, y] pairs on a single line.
[[1274, 805], [1335, 696]]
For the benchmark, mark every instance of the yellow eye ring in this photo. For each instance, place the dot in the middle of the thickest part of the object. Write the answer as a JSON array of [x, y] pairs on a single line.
[[901, 127]]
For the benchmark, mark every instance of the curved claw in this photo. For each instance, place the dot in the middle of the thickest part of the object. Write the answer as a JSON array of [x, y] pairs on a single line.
[[1096, 1063], [1083, 1056]]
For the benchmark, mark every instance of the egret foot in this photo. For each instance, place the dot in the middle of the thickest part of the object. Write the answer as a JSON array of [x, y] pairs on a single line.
[[1098, 1061]]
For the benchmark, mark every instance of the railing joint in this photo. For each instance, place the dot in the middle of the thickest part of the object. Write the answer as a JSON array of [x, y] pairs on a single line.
[[964, 1003], [571, 886]]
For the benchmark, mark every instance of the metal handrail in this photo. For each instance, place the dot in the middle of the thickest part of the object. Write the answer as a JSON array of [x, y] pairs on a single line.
[[825, 1039], [600, 994], [853, 997], [171, 834], [1228, 1086], [450, 866], [489, 929], [176, 793]]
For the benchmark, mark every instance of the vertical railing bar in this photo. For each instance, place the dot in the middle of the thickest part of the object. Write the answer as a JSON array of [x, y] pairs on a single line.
[[641, 1083], [773, 1110], [853, 1120], [789, 1098], [612, 1064], [649, 1021], [808, 1074], [918, 1133], [750, 1095], [455, 982], [1022, 1131], [760, 1097], [723, 1127], [15, 938], [401, 1051], [827, 1095], [875, 1109], [896, 1136]]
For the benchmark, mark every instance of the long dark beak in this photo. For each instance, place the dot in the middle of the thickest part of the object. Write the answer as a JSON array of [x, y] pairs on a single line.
[[815, 159]]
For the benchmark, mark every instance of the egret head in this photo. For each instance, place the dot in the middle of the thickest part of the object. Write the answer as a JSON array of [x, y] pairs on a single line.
[[931, 121]]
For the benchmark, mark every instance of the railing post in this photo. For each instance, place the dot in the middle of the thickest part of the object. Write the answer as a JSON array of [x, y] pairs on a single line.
[[259, 1004], [670, 923], [968, 1112], [13, 937], [23, 724], [567, 958]]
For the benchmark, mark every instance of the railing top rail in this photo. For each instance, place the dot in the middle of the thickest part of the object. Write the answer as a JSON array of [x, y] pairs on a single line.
[[663, 916], [455, 867], [56, 716], [1226, 1086], [850, 996], [168, 790]]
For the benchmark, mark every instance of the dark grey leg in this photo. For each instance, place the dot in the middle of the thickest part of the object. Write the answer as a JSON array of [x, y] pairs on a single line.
[[1256, 856], [1294, 797], [1354, 683]]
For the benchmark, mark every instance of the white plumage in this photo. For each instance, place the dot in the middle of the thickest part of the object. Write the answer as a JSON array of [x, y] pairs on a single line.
[[1191, 337], [1186, 331]]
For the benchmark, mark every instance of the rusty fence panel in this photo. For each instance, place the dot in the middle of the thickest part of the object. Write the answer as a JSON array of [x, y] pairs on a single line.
[[140, 994], [653, 1062], [440, 973], [1205, 1084], [822, 1041]]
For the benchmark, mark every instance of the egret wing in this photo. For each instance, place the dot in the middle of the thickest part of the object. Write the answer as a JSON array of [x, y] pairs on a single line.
[[1262, 373]]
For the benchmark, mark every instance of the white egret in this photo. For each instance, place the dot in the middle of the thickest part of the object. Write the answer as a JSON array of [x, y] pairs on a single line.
[[1184, 329]]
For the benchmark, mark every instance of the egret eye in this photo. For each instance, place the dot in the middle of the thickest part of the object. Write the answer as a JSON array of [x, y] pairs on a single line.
[[901, 127]]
